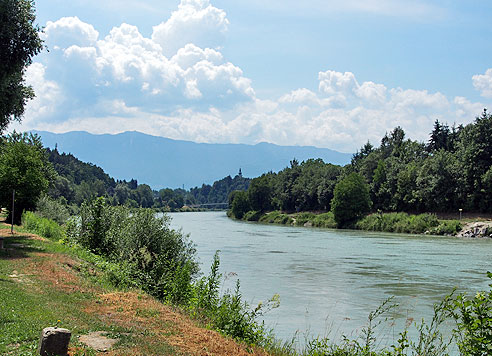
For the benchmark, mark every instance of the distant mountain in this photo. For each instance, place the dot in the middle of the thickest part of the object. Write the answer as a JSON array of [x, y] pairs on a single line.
[[161, 162]]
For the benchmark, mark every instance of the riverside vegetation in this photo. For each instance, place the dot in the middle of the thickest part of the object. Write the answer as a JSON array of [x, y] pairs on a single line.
[[137, 249], [399, 182]]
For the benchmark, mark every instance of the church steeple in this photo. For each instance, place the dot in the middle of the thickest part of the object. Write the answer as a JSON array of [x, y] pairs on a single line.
[[240, 173]]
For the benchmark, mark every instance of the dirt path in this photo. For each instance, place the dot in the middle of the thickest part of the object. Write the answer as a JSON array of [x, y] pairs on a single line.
[[149, 319]]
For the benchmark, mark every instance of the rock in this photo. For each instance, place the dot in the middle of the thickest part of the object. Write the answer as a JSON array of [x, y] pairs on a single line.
[[98, 341], [476, 229], [54, 341]]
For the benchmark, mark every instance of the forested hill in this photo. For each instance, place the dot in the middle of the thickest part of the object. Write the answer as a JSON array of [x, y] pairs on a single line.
[[162, 162], [77, 181]]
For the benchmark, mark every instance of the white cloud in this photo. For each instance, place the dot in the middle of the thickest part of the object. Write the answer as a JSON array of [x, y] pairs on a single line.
[[195, 21], [483, 83], [48, 94], [178, 84], [69, 31], [332, 82], [126, 66]]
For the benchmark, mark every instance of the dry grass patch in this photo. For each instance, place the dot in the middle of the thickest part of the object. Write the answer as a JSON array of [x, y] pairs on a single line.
[[144, 313]]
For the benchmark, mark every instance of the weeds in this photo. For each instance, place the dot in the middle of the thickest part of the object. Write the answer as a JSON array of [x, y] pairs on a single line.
[[42, 226]]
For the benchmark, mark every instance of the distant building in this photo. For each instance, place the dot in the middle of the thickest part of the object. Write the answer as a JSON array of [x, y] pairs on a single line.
[[240, 173]]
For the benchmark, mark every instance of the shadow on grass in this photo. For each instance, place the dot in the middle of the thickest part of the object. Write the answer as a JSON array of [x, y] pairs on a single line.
[[17, 246]]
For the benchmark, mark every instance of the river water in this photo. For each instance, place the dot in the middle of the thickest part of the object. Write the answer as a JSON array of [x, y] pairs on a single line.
[[329, 280]]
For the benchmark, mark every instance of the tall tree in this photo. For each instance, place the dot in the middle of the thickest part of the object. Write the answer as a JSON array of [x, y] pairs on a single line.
[[24, 167], [351, 200], [19, 42]]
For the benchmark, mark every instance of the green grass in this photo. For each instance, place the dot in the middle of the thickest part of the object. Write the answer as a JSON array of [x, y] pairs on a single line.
[[27, 305]]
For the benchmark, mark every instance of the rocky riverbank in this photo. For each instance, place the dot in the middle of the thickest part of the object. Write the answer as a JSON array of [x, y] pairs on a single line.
[[478, 229]]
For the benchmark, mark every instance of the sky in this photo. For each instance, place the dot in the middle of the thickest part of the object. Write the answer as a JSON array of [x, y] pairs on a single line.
[[332, 74]]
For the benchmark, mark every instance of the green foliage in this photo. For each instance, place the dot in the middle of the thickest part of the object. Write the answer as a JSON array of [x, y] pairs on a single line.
[[447, 227], [326, 220], [276, 217], [473, 318], [260, 193], [412, 224], [43, 226], [20, 42], [55, 210], [160, 260], [303, 218], [219, 191], [25, 168], [351, 200], [252, 215], [228, 313], [240, 204]]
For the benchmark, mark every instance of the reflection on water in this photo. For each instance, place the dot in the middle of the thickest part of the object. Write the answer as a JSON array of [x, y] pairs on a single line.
[[329, 280]]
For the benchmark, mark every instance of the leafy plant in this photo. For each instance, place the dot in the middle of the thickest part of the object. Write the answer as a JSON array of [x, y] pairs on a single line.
[[473, 318]]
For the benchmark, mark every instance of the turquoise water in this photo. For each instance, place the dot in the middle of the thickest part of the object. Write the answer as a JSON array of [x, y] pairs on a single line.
[[329, 280]]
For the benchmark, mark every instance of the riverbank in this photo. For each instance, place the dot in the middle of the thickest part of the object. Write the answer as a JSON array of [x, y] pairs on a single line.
[[426, 223], [44, 283]]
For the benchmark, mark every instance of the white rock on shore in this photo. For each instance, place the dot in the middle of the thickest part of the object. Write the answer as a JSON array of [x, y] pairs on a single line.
[[477, 229]]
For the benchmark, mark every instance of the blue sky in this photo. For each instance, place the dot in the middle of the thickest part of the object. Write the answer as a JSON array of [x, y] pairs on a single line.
[[324, 73]]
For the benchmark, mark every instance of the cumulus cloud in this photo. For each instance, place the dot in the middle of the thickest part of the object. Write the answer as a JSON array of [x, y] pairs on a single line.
[[195, 21], [483, 83], [126, 66], [178, 84]]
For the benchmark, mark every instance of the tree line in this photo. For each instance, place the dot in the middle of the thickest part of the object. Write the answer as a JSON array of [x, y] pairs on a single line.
[[451, 171], [32, 170]]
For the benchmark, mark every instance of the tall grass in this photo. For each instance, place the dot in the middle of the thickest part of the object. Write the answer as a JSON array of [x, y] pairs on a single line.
[[42, 226], [405, 223]]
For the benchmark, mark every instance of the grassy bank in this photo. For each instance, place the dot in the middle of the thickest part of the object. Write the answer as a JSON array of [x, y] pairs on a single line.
[[57, 282], [385, 222], [46, 282]]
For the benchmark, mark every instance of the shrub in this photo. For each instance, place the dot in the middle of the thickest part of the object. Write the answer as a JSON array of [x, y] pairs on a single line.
[[303, 218], [351, 200], [42, 226], [228, 313], [401, 222], [159, 259], [447, 227], [326, 220], [473, 318], [49, 208], [276, 217], [252, 215]]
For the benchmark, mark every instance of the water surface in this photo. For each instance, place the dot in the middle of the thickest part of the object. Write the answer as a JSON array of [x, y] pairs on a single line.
[[329, 280]]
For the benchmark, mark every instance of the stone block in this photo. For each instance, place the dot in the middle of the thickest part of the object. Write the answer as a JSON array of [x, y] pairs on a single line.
[[54, 341]]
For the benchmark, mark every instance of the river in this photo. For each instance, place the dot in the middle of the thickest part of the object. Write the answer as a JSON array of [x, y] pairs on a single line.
[[329, 280]]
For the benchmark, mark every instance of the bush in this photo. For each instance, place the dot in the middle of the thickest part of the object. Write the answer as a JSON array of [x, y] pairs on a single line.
[[55, 210], [276, 217], [351, 200], [161, 260], [228, 313], [303, 218], [447, 227], [42, 226], [402, 223], [473, 318], [252, 215], [326, 220]]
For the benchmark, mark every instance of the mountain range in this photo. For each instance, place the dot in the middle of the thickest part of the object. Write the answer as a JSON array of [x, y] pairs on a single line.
[[162, 162]]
